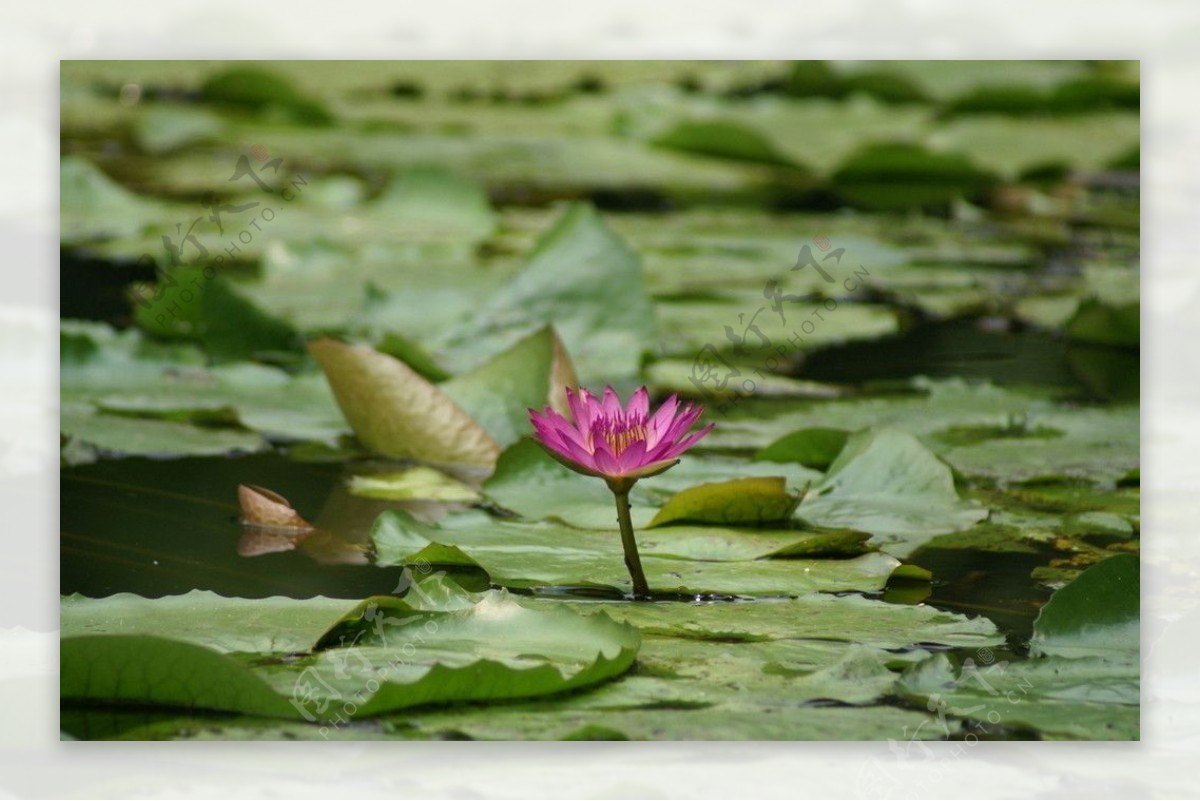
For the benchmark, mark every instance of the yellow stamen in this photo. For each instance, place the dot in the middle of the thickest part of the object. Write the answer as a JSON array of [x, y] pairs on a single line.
[[618, 441]]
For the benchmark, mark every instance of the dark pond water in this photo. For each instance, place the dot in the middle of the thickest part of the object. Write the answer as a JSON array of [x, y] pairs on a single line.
[[978, 349], [164, 527]]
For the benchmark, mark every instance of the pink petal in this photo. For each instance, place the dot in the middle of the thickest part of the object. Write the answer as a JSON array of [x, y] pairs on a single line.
[[690, 441], [569, 433], [564, 448], [682, 423], [611, 405], [639, 405], [578, 455], [578, 467], [547, 419], [580, 403], [632, 457], [652, 468], [606, 462], [661, 420]]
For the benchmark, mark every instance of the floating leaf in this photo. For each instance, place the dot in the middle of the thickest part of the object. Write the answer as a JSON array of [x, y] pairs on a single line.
[[1097, 614], [94, 206], [583, 278], [860, 677], [1086, 699], [812, 447], [165, 129], [262, 507], [147, 669], [724, 139], [887, 483], [702, 721], [1103, 324], [122, 373], [416, 483], [675, 558], [127, 649], [89, 431], [828, 544], [396, 412], [434, 203], [894, 176], [753, 501], [499, 393], [849, 619], [677, 375], [263, 92], [189, 304], [412, 354]]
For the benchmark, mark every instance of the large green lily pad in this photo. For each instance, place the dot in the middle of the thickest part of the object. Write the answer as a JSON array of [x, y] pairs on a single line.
[[686, 559], [887, 483], [312, 659], [583, 278]]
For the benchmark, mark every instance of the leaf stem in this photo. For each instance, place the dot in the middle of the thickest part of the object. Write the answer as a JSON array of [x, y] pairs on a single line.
[[641, 590]]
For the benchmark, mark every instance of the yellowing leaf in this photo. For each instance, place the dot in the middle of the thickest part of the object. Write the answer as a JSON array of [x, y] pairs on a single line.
[[741, 501], [396, 412], [418, 483]]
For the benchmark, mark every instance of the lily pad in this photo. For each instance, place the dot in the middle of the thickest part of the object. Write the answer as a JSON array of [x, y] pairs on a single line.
[[90, 432], [676, 558], [907, 175], [95, 206], [396, 412], [308, 659], [822, 617], [742, 501], [1103, 324], [725, 140], [583, 278], [1084, 699], [1097, 614], [251, 89], [432, 203], [812, 447], [120, 373], [533, 373], [191, 303], [415, 483], [887, 483], [164, 129]]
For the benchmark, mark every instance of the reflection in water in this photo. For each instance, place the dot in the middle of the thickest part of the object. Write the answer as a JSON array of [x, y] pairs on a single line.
[[165, 527]]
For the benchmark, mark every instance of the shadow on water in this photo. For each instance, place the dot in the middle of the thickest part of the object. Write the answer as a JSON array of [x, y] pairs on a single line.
[[93, 288], [970, 349]]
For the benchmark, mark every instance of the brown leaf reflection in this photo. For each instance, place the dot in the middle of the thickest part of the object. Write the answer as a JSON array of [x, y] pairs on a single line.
[[263, 508], [342, 531]]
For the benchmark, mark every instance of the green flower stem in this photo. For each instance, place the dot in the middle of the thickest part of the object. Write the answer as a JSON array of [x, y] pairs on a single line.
[[632, 561]]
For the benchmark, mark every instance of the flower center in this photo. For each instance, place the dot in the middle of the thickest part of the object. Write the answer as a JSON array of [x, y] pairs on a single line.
[[620, 434], [618, 441]]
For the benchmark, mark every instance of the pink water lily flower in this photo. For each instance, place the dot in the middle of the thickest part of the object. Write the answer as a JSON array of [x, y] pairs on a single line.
[[620, 445], [615, 443]]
